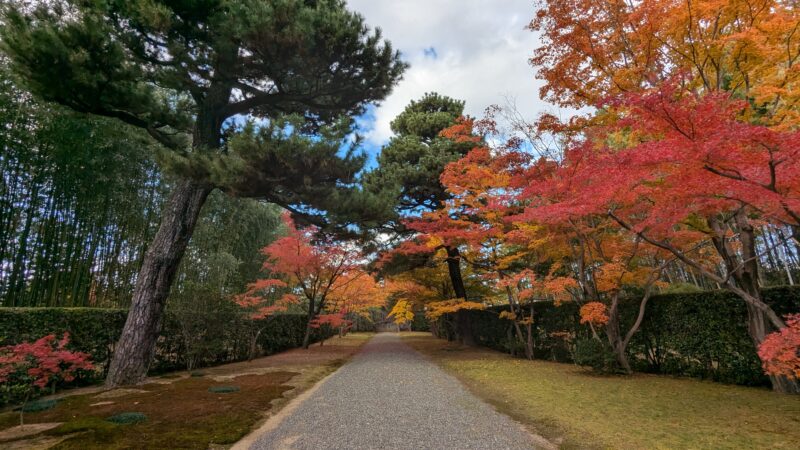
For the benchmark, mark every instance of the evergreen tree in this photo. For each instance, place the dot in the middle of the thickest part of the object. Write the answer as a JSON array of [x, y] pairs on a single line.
[[410, 165], [182, 71]]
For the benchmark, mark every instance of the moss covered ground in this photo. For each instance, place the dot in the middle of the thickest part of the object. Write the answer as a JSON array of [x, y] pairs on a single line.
[[183, 411]]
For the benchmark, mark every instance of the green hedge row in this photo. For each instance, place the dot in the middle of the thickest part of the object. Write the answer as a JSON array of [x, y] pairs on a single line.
[[701, 334], [420, 323], [206, 337]]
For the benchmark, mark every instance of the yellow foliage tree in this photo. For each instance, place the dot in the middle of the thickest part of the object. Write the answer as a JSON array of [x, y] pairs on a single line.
[[402, 313]]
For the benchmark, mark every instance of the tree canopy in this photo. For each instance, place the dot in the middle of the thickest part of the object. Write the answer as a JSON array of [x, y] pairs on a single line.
[[413, 160], [185, 72]]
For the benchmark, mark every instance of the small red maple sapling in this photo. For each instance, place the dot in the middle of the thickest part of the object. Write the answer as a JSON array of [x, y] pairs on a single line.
[[35, 365], [780, 351]]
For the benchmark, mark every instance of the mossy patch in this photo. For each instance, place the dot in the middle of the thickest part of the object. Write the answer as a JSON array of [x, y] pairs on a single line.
[[9, 419], [127, 418], [39, 405], [196, 374], [81, 424], [182, 414], [223, 389]]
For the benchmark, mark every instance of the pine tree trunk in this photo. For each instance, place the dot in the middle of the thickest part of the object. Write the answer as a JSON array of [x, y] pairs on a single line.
[[454, 269], [463, 327], [136, 346]]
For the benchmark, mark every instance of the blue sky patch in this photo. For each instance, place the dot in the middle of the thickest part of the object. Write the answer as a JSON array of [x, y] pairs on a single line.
[[430, 52]]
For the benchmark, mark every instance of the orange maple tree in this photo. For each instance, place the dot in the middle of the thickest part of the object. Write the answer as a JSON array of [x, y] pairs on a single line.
[[592, 50], [313, 267], [508, 208], [352, 296]]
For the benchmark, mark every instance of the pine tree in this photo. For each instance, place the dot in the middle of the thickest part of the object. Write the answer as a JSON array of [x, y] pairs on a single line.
[[183, 72], [410, 165]]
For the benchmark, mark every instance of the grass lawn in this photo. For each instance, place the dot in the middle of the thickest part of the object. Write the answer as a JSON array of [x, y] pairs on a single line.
[[568, 405], [182, 411]]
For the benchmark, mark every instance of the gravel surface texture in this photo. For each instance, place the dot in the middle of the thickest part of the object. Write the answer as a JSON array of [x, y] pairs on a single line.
[[391, 397]]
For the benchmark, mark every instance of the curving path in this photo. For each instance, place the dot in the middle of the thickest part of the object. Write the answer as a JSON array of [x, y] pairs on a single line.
[[390, 397]]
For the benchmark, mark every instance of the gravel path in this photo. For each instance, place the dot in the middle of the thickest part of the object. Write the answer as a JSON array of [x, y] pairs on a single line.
[[390, 397]]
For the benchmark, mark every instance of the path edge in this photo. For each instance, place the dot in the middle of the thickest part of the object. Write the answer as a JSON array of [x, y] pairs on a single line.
[[277, 417], [539, 440]]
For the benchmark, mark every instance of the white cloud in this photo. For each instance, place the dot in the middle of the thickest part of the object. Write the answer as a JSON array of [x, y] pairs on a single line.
[[482, 50]]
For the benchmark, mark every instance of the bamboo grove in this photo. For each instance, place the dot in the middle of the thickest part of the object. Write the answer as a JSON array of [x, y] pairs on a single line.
[[80, 199]]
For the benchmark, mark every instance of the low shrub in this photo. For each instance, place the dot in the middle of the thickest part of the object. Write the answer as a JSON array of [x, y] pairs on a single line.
[[595, 354]]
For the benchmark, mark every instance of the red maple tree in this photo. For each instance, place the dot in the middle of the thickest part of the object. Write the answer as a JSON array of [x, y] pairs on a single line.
[[686, 174], [312, 267], [34, 365]]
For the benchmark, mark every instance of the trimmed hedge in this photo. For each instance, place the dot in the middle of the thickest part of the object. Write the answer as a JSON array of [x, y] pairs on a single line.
[[420, 323], [96, 330], [702, 334], [92, 330]]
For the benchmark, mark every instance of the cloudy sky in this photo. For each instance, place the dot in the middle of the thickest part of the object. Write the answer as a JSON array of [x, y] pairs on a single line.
[[474, 50]]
